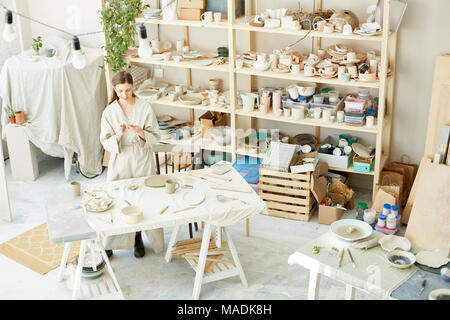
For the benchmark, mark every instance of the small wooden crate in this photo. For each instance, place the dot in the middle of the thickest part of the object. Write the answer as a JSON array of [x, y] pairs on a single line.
[[287, 195]]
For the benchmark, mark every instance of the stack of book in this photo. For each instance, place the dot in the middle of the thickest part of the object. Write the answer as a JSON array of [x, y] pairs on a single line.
[[354, 111]]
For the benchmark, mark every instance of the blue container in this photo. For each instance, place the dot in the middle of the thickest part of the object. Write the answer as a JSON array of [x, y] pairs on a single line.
[[248, 168], [221, 6]]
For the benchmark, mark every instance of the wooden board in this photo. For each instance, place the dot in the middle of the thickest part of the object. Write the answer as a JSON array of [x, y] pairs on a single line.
[[440, 103], [429, 223]]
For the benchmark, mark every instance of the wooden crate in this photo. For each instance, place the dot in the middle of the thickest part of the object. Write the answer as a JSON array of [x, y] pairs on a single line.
[[287, 195]]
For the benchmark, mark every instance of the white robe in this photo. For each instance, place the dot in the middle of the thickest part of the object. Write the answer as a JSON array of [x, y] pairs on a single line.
[[130, 158]]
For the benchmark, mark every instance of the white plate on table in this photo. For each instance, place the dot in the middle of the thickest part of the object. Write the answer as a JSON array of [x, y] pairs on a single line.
[[194, 197], [361, 229], [98, 204]]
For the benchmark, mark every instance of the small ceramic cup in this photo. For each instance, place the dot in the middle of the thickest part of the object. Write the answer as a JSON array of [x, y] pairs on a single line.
[[287, 112], [328, 28], [344, 77], [340, 116], [295, 68], [318, 98], [217, 16], [171, 186], [317, 113], [326, 114], [347, 29], [239, 63], [309, 71], [76, 188], [370, 121]]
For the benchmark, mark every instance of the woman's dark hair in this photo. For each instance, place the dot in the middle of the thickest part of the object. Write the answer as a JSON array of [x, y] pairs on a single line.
[[120, 77]]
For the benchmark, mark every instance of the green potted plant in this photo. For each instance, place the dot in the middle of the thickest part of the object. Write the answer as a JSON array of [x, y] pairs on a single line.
[[11, 114], [36, 45], [118, 18]]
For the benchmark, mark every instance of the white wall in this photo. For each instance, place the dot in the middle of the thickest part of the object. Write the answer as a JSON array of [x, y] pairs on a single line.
[[422, 36]]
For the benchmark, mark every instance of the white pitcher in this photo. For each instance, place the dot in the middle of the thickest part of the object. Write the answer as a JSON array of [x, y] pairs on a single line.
[[248, 101]]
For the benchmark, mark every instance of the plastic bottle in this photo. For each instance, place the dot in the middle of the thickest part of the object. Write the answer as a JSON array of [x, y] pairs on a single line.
[[361, 207], [386, 209], [394, 210], [391, 221], [382, 220]]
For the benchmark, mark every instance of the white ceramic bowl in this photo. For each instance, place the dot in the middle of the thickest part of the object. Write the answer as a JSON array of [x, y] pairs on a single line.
[[391, 242], [132, 214], [400, 259], [306, 89], [364, 226]]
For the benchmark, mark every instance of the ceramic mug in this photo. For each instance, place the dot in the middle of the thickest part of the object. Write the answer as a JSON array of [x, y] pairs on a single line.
[[217, 16], [171, 186], [341, 70], [345, 77], [76, 188], [293, 91], [340, 116], [295, 68], [298, 112], [347, 29], [207, 17], [179, 90], [286, 59], [49, 52], [328, 28], [351, 56], [248, 101], [309, 71]]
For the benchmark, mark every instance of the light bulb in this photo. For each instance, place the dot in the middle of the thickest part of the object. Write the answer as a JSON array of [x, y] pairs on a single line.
[[144, 50], [79, 59], [9, 32]]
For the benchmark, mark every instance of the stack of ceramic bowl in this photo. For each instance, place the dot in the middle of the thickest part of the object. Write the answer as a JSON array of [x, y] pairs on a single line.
[[152, 13], [165, 130], [88, 271], [338, 52]]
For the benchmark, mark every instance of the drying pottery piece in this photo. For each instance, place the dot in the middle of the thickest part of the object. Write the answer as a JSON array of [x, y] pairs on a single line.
[[431, 258], [392, 242], [132, 214], [193, 197], [351, 229], [366, 244], [400, 259], [156, 181], [98, 204], [191, 99]]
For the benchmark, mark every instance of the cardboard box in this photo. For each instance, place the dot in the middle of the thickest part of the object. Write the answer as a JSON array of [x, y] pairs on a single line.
[[341, 162], [190, 14], [212, 119], [304, 167], [327, 214], [192, 4]]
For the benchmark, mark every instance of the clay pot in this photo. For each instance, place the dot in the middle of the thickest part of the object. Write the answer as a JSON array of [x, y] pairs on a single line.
[[12, 120], [20, 117]]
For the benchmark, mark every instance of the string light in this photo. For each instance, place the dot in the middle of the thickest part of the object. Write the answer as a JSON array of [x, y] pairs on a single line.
[[9, 32], [144, 50]]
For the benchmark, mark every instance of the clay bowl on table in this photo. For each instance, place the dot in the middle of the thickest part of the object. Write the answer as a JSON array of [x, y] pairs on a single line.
[[132, 214], [400, 259]]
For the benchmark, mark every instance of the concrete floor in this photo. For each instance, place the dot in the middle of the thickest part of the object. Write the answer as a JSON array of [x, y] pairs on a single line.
[[263, 255]]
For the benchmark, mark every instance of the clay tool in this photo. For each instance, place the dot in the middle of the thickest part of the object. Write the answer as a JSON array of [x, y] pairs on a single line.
[[164, 209], [340, 258], [351, 258]]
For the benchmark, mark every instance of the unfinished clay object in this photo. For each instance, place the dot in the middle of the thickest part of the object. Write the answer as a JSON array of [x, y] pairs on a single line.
[[392, 242], [431, 258], [366, 244]]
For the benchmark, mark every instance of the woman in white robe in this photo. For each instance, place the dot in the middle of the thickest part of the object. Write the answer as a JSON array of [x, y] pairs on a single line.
[[128, 130]]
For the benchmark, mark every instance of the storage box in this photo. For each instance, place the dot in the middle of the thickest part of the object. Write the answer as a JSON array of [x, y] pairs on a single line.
[[221, 6], [364, 165], [212, 119], [190, 14], [287, 195], [327, 214], [309, 167], [341, 162], [192, 4]]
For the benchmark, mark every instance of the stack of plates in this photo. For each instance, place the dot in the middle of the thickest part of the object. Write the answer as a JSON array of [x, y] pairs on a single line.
[[166, 130], [152, 13]]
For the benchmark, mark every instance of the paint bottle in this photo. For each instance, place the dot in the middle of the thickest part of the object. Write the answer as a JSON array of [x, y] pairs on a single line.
[[386, 209], [391, 221], [394, 210], [382, 220], [361, 207]]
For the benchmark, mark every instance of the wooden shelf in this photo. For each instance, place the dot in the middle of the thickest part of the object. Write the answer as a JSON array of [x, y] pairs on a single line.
[[307, 122], [182, 64], [167, 102], [302, 33], [184, 23], [301, 77]]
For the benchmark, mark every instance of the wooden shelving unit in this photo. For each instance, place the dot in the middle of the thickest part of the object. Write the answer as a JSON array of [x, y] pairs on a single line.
[[385, 86]]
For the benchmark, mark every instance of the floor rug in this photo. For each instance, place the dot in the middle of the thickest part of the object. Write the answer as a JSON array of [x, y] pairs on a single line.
[[34, 250]]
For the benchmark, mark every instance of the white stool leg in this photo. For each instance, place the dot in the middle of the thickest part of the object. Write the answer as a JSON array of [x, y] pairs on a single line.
[[109, 268], [77, 282], [63, 263], [202, 261], [314, 281], [349, 292], [235, 257], [173, 240]]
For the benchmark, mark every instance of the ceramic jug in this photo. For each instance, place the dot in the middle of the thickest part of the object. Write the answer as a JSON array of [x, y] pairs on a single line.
[[248, 101]]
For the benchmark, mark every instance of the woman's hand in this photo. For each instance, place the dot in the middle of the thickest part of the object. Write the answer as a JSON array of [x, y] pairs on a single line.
[[138, 130], [123, 128]]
